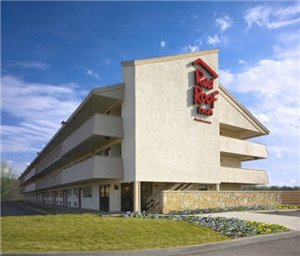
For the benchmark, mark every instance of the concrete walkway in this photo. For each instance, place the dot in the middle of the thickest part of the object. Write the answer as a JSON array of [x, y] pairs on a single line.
[[290, 222]]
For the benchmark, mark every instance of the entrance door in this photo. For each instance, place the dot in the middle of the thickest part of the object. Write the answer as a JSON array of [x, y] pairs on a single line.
[[79, 197], [146, 193], [65, 198], [54, 197], [127, 197], [104, 197]]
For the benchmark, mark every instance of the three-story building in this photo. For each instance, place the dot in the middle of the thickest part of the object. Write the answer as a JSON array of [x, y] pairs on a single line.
[[168, 126]]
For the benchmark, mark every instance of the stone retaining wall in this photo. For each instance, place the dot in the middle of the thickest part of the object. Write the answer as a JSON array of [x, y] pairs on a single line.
[[188, 200], [290, 197]]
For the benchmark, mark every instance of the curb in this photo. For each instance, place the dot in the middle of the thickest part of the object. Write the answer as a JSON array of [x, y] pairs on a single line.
[[185, 250]]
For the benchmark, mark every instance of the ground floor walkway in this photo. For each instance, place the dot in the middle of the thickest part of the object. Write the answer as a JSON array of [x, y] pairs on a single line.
[[291, 222]]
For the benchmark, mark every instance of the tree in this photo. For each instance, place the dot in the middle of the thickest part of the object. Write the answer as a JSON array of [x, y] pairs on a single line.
[[9, 183]]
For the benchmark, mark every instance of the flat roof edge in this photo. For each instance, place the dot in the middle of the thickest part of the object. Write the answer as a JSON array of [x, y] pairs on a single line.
[[168, 58], [108, 88]]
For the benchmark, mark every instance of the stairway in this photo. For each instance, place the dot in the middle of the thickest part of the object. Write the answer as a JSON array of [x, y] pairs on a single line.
[[153, 202]]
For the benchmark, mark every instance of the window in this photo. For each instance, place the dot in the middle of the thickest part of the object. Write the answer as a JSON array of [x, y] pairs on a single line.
[[100, 153], [69, 191], [107, 152], [75, 192], [87, 192], [202, 187]]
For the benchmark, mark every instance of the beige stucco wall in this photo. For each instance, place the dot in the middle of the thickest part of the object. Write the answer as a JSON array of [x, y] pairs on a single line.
[[231, 115], [187, 200], [243, 176], [242, 147], [128, 114], [170, 145], [229, 161]]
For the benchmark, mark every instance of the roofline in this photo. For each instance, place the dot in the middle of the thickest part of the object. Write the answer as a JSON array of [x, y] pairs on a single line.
[[91, 93], [244, 109], [108, 88], [167, 58]]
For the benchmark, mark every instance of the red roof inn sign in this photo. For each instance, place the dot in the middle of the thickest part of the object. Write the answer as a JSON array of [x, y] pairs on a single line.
[[203, 98]]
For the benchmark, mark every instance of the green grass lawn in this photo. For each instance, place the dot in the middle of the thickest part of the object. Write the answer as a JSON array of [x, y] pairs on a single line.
[[90, 232]]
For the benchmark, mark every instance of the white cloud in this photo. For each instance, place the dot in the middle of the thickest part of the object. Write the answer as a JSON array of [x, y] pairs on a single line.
[[226, 77], [36, 110], [242, 62], [107, 61], [162, 44], [213, 40], [272, 17], [277, 150], [273, 87], [223, 23], [91, 73], [30, 64], [190, 48], [195, 47]]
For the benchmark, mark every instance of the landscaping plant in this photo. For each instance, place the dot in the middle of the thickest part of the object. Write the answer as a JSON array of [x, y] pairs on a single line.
[[231, 227]]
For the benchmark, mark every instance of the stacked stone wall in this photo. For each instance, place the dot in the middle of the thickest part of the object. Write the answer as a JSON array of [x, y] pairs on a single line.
[[190, 200], [290, 197]]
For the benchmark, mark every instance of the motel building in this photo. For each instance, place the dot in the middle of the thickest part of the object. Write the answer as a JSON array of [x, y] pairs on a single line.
[[170, 125]]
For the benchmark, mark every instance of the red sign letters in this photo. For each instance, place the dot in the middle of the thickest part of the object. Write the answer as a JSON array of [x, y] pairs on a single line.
[[202, 97]]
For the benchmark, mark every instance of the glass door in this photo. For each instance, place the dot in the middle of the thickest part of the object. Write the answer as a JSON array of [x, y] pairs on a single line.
[[104, 197], [126, 197], [145, 194], [65, 198]]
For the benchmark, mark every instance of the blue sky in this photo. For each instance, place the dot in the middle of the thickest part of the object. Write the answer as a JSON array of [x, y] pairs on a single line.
[[54, 53]]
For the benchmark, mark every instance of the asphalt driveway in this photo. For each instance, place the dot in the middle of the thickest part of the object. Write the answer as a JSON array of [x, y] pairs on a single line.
[[14, 208]]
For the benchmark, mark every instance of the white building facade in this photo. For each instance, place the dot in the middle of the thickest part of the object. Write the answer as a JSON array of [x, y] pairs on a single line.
[[169, 126]]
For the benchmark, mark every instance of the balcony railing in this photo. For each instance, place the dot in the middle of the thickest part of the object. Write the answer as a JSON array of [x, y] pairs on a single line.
[[30, 187], [49, 159], [28, 175], [249, 150], [98, 125], [101, 125], [243, 176], [95, 167]]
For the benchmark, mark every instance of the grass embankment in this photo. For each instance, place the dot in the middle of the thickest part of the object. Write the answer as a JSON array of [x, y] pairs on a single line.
[[90, 232]]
